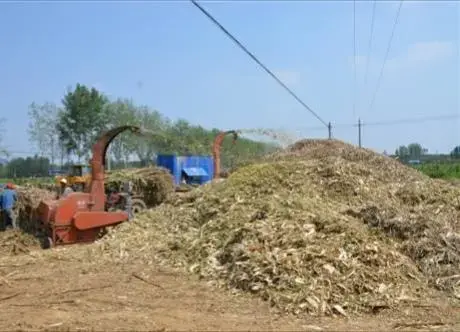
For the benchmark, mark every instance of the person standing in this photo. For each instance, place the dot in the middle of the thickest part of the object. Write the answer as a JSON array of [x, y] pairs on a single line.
[[8, 200], [65, 188], [2, 224]]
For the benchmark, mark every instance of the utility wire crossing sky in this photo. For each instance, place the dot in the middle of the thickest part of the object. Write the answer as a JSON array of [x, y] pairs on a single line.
[[404, 56]]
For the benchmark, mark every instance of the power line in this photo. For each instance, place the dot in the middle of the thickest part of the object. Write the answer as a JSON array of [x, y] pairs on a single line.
[[253, 57], [370, 42], [379, 80], [388, 122], [413, 120], [354, 59]]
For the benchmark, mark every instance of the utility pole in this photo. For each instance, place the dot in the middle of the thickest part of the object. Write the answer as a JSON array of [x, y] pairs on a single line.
[[329, 129], [359, 132]]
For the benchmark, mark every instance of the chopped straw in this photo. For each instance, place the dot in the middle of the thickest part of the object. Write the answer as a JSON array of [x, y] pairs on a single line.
[[154, 184], [322, 227]]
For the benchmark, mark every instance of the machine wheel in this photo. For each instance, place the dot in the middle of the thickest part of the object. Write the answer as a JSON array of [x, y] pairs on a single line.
[[138, 206], [47, 243]]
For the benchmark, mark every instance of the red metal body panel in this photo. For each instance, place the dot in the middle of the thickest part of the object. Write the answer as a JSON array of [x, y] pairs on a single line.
[[87, 220]]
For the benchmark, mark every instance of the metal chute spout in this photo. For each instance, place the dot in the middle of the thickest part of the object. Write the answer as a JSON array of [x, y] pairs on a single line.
[[100, 148], [97, 190], [216, 149]]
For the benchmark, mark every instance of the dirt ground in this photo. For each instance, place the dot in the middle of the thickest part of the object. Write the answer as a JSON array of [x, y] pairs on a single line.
[[36, 294]]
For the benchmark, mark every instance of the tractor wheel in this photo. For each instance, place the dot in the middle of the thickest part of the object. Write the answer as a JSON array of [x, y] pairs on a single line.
[[47, 243], [138, 206]]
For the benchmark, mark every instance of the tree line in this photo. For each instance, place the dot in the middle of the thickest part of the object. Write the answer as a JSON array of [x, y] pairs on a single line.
[[415, 151], [64, 133]]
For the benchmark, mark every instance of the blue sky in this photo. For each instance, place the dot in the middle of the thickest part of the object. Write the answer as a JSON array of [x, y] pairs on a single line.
[[169, 56]]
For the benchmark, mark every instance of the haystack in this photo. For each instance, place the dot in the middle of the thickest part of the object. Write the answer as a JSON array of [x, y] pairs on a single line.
[[154, 184], [323, 227]]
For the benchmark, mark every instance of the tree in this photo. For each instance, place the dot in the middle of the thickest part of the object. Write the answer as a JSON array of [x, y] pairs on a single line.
[[3, 151], [148, 146], [27, 167], [456, 152], [402, 152], [82, 119], [415, 150], [86, 113], [121, 112], [43, 130]]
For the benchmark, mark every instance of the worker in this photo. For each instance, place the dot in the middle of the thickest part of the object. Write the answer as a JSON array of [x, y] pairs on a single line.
[[8, 199], [65, 188]]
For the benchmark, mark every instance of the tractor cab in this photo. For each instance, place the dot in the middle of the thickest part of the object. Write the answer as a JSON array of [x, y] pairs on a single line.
[[79, 170], [78, 177]]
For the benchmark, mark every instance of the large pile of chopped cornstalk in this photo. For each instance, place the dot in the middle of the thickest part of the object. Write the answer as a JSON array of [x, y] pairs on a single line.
[[322, 227], [154, 184]]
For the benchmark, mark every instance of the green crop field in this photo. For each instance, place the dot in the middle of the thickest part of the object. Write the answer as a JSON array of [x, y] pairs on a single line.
[[441, 170]]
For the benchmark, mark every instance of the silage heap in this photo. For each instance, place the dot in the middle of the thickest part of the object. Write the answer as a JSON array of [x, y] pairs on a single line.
[[322, 227]]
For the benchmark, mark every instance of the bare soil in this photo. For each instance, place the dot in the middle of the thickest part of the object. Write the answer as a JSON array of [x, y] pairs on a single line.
[[36, 294]]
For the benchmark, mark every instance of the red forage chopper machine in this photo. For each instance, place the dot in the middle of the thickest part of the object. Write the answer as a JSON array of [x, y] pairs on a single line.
[[81, 216]]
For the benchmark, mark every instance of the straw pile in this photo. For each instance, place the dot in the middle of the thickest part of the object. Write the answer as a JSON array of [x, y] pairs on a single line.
[[26, 206], [15, 242], [154, 184], [322, 227]]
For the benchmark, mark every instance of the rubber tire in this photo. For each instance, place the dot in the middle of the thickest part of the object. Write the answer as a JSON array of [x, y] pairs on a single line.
[[138, 205], [47, 243]]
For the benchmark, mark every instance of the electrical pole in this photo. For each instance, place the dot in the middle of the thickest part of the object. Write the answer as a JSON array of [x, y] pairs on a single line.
[[329, 129], [359, 133]]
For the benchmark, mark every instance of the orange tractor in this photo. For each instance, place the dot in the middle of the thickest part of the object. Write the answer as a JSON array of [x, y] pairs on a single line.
[[81, 216]]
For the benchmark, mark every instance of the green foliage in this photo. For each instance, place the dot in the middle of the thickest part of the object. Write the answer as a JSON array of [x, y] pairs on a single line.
[[43, 132], [441, 170], [411, 151], [82, 119], [24, 167], [86, 112], [456, 152]]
